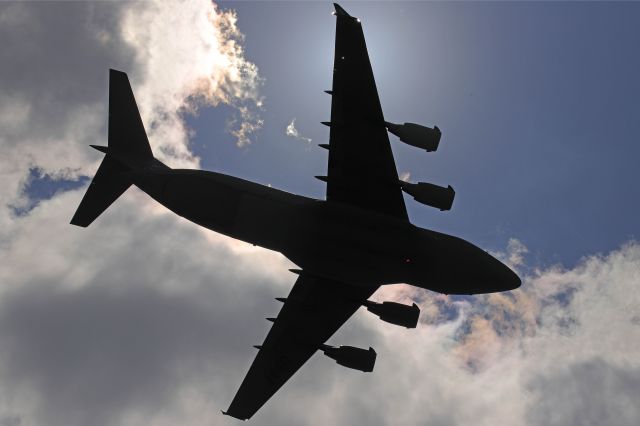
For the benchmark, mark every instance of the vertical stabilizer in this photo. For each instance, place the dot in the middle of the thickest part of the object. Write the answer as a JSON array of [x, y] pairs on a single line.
[[127, 138], [128, 150]]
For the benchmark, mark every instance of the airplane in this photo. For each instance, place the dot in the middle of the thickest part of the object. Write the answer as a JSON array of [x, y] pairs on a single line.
[[345, 247]]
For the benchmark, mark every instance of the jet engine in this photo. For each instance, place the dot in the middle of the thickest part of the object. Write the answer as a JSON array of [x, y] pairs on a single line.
[[352, 357], [430, 194], [395, 313], [416, 135]]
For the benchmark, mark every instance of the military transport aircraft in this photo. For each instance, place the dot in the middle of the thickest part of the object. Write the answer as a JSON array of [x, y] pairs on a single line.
[[345, 247]]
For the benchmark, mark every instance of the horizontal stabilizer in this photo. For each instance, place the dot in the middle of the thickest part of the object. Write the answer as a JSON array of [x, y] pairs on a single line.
[[107, 185]]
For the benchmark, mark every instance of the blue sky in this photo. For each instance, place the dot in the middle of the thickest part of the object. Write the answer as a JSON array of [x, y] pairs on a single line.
[[537, 103], [146, 319]]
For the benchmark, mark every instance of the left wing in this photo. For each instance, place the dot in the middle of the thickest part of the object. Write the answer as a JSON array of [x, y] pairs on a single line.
[[314, 310]]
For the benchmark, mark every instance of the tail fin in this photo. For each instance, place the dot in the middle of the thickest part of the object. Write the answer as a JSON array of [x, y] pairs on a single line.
[[127, 139], [128, 150]]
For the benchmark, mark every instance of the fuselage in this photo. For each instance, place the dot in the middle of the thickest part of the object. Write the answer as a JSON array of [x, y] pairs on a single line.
[[325, 238]]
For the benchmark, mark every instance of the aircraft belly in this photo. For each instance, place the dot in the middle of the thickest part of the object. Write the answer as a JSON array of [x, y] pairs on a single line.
[[348, 249], [265, 221], [200, 200], [333, 241], [230, 206]]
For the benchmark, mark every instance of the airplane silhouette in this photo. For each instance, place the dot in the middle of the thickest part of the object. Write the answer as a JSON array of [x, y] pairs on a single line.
[[345, 247]]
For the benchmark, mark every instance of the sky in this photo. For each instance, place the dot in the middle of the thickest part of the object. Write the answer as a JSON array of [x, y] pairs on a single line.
[[144, 318]]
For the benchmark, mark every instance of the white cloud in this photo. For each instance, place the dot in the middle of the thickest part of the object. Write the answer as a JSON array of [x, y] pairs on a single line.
[[143, 318], [563, 349], [193, 55], [291, 131], [141, 285], [53, 82], [92, 332], [514, 255]]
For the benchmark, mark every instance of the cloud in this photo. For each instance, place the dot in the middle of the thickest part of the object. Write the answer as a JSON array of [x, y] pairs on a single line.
[[248, 123], [53, 83], [200, 61], [560, 350], [405, 176], [145, 319], [92, 333], [603, 394], [514, 255], [144, 310], [291, 131]]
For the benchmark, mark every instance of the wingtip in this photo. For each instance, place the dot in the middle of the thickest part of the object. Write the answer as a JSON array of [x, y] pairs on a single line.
[[76, 222], [340, 11], [118, 77], [226, 413]]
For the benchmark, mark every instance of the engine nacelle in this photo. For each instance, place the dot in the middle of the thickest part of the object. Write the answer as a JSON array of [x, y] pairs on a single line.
[[416, 135], [352, 357], [430, 194], [395, 313]]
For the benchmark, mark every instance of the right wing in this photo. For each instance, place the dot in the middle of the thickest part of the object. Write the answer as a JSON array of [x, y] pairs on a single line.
[[361, 171], [314, 310]]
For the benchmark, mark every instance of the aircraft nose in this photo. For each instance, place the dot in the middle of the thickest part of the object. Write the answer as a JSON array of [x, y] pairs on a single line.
[[506, 278], [464, 268], [496, 276], [511, 280]]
